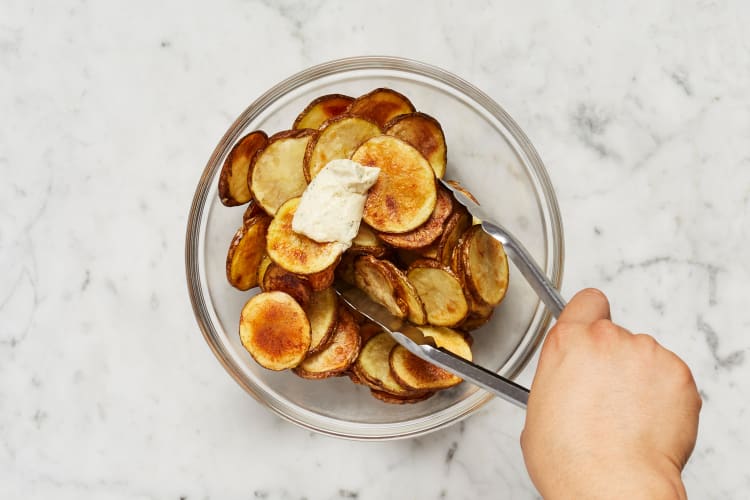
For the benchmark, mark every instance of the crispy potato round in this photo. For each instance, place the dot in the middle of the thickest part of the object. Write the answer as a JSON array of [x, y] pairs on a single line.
[[265, 261], [441, 292], [415, 311], [275, 330], [424, 133], [322, 109], [485, 265], [233, 186], [276, 278], [323, 279], [322, 311], [245, 253], [338, 354], [253, 210], [376, 278], [381, 106], [337, 139], [276, 173], [405, 194], [373, 368], [367, 243], [295, 252], [418, 374], [399, 400], [455, 227], [459, 187], [428, 232]]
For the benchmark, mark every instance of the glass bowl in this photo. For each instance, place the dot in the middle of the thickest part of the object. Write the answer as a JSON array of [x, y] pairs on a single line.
[[487, 152]]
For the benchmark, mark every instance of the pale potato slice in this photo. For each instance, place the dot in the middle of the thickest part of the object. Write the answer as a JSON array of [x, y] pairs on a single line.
[[275, 331], [322, 311], [376, 278], [367, 243], [373, 368], [441, 292], [381, 106], [338, 354], [405, 194], [485, 266], [276, 278], [245, 253], [322, 109], [337, 139], [295, 252], [428, 232], [276, 174], [233, 187], [412, 372], [424, 133], [449, 339]]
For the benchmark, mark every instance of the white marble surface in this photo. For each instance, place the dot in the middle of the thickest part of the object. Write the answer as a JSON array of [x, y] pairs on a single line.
[[109, 111]]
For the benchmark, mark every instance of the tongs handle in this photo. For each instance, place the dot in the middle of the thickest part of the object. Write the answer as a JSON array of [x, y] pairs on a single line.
[[528, 267]]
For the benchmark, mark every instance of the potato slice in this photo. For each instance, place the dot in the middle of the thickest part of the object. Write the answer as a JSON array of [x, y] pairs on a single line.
[[424, 133], [405, 194], [398, 400], [275, 330], [412, 372], [338, 354], [441, 292], [295, 252], [381, 106], [368, 329], [337, 138], [323, 279], [455, 227], [322, 312], [428, 232], [376, 278], [322, 109], [373, 368], [253, 210], [276, 278], [265, 261], [485, 266], [233, 187], [367, 243], [459, 187], [245, 253], [276, 174], [477, 319], [415, 308]]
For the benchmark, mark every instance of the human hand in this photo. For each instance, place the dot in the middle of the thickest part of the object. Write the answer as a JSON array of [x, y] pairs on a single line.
[[610, 414]]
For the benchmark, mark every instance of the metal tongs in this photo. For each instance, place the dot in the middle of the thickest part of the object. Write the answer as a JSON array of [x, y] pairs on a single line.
[[423, 347]]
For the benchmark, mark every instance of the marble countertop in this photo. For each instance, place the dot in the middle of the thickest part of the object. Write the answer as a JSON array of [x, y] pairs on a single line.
[[110, 109]]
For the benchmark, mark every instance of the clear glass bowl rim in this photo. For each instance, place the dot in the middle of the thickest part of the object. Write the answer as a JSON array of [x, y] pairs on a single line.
[[553, 229]]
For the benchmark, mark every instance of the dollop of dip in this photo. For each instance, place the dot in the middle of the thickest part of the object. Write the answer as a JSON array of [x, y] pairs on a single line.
[[331, 206]]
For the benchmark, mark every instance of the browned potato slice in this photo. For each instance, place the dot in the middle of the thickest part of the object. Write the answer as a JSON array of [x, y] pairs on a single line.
[[337, 138], [417, 374], [381, 106], [275, 330], [376, 278], [424, 133], [398, 400], [485, 266], [373, 368], [338, 354], [455, 227], [276, 174], [322, 311], [265, 261], [415, 309], [345, 268], [476, 319], [441, 292], [368, 329], [459, 187], [246, 252], [322, 109], [233, 187], [295, 252], [367, 243], [428, 232], [253, 210], [404, 195], [276, 278], [323, 279]]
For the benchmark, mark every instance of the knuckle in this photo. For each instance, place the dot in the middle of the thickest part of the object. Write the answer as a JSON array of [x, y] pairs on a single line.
[[602, 327]]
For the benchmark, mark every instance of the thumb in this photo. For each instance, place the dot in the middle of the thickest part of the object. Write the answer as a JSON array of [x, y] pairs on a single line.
[[587, 306]]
